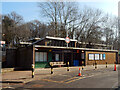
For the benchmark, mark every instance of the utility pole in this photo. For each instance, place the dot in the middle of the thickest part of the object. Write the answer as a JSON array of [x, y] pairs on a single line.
[[118, 29], [66, 32], [67, 36]]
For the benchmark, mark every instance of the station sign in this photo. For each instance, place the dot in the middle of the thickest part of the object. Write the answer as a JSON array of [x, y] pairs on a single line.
[[67, 39]]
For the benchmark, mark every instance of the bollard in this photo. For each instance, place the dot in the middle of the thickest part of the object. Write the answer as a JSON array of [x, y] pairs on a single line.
[[51, 68], [67, 66], [95, 65], [106, 64], [33, 70], [82, 67]]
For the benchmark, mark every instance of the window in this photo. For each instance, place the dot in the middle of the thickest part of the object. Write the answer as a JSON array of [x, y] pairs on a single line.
[[82, 56], [97, 57], [91, 56], [103, 56], [57, 57], [36, 56], [40, 56]]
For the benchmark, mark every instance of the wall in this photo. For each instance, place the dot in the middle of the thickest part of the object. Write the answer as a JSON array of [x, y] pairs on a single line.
[[24, 57], [110, 58], [10, 58]]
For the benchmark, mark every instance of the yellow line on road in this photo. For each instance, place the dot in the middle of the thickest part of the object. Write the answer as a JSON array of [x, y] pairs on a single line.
[[51, 80], [74, 80], [69, 79], [65, 81]]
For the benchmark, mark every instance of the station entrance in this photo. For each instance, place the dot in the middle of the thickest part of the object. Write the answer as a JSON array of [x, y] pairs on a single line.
[[75, 58]]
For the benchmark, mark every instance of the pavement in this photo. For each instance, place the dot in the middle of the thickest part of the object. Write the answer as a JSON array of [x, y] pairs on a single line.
[[23, 77], [4, 70]]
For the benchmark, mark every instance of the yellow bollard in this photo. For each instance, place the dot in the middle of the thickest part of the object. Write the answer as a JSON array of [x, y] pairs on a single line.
[[82, 67], [67, 66], [95, 65], [51, 68], [33, 66], [106, 64]]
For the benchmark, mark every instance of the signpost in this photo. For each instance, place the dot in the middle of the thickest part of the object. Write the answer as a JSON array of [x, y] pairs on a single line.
[[67, 40]]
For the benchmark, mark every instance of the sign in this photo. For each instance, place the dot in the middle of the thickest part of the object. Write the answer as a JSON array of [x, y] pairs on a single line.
[[57, 63], [67, 39]]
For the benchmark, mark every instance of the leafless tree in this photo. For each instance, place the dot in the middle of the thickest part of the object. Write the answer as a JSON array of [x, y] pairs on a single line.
[[13, 28], [111, 31], [89, 25], [37, 28], [60, 15]]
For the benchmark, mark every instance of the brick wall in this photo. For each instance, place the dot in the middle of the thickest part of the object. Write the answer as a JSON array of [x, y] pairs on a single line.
[[110, 58]]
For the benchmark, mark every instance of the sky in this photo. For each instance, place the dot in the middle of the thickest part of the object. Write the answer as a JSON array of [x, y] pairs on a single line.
[[30, 10]]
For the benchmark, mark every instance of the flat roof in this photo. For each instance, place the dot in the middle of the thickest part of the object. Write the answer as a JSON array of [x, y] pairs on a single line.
[[58, 38], [95, 44], [25, 43], [90, 49]]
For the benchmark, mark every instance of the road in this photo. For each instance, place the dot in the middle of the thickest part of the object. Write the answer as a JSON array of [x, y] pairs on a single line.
[[99, 78]]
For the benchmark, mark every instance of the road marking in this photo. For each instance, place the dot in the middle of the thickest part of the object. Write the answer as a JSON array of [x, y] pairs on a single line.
[[69, 79], [75, 79], [51, 80], [90, 76], [65, 81]]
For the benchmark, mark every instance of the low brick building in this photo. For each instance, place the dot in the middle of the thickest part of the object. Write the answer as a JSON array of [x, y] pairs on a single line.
[[50, 49]]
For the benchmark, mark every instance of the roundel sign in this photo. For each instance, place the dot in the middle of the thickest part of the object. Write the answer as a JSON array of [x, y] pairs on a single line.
[[67, 39]]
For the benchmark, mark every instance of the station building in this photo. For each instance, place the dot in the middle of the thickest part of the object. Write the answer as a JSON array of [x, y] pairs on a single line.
[[53, 49]]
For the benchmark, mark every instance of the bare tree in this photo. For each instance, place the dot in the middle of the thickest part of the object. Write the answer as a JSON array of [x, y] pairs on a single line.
[[60, 15], [89, 25], [111, 31], [37, 28], [13, 28]]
